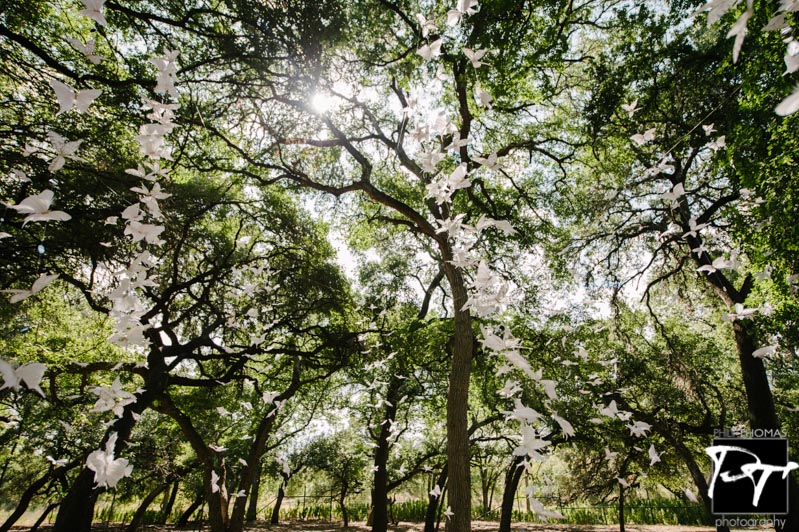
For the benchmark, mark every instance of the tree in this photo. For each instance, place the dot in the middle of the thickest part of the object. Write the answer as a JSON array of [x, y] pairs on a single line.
[[672, 197], [370, 152], [342, 458]]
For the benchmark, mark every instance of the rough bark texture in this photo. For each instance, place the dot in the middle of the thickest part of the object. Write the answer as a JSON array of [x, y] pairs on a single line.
[[218, 518], [344, 515], [77, 509], [758, 392], [759, 399], [458, 458], [760, 402]]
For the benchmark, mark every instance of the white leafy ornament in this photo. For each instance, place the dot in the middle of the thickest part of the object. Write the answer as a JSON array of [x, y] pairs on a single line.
[[631, 108], [639, 428], [462, 7], [167, 70], [475, 56], [427, 25], [531, 444], [108, 471], [147, 232], [643, 138]]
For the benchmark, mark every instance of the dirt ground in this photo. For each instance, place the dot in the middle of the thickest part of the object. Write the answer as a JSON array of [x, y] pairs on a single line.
[[483, 526], [315, 526]]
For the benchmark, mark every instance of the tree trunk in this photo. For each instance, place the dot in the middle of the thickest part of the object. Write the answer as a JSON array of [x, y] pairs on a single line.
[[391, 517], [281, 492], [257, 450], [441, 508], [512, 478], [759, 399], [343, 508], [621, 508], [77, 508], [758, 392], [217, 502], [30, 492], [138, 517], [380, 489], [169, 503], [52, 506], [432, 504], [696, 474], [458, 460], [183, 520], [252, 507], [248, 472], [484, 489], [760, 402]]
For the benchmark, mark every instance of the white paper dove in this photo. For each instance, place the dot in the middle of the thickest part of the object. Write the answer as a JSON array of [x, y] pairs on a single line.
[[37, 207], [29, 374]]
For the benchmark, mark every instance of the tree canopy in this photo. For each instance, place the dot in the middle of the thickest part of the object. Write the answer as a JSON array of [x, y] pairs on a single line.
[[391, 247]]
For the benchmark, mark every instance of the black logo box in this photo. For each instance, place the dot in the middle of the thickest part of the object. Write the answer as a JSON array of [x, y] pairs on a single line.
[[736, 498]]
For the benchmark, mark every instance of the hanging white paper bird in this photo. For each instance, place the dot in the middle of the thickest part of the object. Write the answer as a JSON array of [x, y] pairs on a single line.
[[69, 98], [29, 374], [86, 49], [94, 10], [64, 148], [37, 207], [38, 286], [429, 51]]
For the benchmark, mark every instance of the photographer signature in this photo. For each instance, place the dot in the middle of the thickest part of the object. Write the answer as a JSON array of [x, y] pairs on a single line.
[[719, 452]]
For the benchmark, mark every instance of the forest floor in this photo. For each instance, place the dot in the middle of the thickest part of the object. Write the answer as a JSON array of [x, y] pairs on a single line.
[[317, 526], [480, 526]]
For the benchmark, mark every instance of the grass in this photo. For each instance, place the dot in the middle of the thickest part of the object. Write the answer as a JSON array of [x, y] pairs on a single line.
[[644, 512]]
